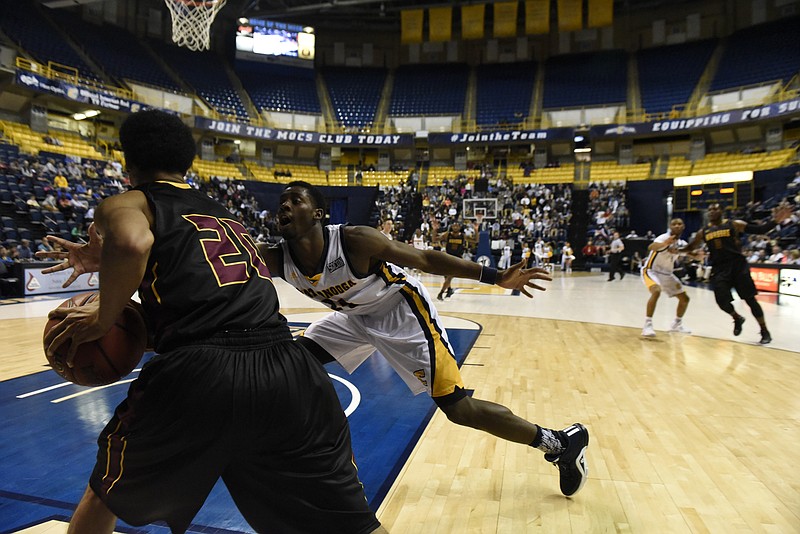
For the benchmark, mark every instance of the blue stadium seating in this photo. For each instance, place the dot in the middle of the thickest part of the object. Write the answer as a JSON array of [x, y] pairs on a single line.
[[585, 80], [116, 51], [24, 25], [280, 87], [429, 90], [205, 73], [504, 92], [355, 94], [669, 74], [758, 54]]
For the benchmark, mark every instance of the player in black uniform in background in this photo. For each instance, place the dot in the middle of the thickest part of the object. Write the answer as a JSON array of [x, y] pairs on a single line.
[[230, 394], [455, 243], [729, 267]]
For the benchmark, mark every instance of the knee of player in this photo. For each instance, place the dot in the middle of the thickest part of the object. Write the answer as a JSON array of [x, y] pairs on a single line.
[[655, 291], [461, 413]]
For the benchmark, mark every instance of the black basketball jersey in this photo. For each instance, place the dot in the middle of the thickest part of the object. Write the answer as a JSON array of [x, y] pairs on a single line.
[[204, 275], [723, 241], [455, 244]]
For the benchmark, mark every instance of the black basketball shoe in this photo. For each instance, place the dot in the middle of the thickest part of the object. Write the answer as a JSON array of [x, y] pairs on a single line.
[[765, 337], [571, 462], [737, 325]]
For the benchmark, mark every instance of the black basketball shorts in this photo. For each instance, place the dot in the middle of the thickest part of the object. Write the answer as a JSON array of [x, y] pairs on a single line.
[[255, 409]]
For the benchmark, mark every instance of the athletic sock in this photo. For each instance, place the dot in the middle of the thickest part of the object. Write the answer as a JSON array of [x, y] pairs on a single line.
[[550, 441]]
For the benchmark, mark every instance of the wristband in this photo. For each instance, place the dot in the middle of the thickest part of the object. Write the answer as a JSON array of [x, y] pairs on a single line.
[[488, 275]]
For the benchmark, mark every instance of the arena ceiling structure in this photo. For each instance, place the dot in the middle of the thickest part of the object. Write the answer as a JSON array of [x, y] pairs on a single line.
[[383, 14]]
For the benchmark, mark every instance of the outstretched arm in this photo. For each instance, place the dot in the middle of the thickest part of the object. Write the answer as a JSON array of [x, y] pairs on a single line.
[[695, 243], [366, 245], [779, 213]]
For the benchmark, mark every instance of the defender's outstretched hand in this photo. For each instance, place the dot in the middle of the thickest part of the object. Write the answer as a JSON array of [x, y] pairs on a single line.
[[515, 277], [82, 258]]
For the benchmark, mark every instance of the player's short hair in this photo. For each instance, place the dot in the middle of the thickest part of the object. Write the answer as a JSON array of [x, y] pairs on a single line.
[[315, 194], [154, 140]]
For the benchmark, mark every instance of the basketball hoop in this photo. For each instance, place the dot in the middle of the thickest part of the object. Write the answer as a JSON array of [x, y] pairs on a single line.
[[191, 22]]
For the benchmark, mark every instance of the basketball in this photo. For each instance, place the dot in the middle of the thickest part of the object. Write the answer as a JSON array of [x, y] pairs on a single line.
[[105, 360]]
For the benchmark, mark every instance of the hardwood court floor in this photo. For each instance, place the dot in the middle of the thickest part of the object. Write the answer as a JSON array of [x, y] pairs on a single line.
[[689, 433]]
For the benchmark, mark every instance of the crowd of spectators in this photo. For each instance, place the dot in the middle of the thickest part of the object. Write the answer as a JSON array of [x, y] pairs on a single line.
[[531, 219]]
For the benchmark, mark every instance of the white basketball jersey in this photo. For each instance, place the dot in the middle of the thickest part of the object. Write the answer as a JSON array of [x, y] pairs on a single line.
[[663, 261], [337, 286], [419, 242]]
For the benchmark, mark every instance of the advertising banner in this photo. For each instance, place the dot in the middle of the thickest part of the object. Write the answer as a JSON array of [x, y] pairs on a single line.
[[506, 136], [77, 93], [789, 282], [723, 118], [293, 136], [765, 278], [37, 283]]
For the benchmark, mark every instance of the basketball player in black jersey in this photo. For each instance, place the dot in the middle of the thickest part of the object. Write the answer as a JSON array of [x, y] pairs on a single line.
[[455, 243], [729, 267], [229, 394]]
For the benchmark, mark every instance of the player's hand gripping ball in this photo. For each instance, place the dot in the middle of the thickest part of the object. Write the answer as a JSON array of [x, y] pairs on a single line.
[[105, 360]]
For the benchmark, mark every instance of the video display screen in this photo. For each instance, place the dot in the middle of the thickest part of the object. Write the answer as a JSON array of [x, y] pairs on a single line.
[[270, 38]]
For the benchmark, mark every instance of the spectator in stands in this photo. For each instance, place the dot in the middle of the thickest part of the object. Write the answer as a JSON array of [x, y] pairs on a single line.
[[50, 167], [5, 256], [794, 257], [757, 256], [32, 202], [589, 251], [50, 140], [60, 181], [387, 228], [777, 255], [24, 250], [44, 246], [78, 233], [49, 202]]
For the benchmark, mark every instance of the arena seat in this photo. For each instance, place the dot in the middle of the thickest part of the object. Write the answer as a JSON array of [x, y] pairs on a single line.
[[659, 86], [429, 90], [23, 24], [116, 51], [279, 87], [355, 94], [504, 93], [581, 80], [758, 54]]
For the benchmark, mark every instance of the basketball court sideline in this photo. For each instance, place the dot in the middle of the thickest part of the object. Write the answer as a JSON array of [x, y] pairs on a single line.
[[688, 432]]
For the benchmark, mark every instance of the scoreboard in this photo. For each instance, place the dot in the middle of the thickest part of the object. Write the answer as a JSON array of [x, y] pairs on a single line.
[[698, 197], [730, 190]]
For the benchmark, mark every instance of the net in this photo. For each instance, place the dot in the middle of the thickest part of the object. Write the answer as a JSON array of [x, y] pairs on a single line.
[[191, 22]]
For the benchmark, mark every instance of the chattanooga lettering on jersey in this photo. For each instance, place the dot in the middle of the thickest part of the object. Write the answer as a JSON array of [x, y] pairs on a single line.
[[718, 234], [329, 292]]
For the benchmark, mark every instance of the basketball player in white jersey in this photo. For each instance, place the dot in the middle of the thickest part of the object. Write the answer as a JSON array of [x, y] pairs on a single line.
[[658, 277], [356, 271]]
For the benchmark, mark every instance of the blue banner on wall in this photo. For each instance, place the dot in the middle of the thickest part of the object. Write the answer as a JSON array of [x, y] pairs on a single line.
[[77, 93], [507, 136], [312, 138], [724, 118]]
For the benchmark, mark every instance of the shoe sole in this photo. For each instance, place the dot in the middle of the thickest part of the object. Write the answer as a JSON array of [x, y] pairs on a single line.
[[580, 463], [649, 335]]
